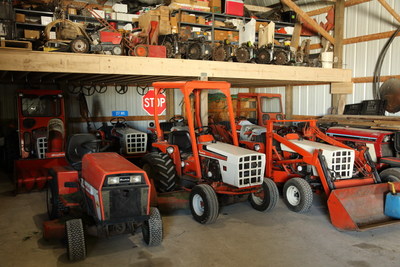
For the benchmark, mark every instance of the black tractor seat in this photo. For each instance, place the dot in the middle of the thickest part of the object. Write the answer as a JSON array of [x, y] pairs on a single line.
[[182, 140]]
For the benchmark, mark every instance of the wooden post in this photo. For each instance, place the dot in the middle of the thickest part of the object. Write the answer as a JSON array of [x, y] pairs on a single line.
[[295, 42], [170, 112], [339, 100], [289, 101], [204, 102], [252, 90]]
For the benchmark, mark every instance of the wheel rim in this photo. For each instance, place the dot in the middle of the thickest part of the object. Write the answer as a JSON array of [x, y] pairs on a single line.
[[293, 195], [198, 205], [80, 46], [258, 198], [117, 50]]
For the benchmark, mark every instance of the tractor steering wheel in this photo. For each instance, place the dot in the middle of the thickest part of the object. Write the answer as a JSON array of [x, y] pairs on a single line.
[[203, 130], [177, 118], [96, 145], [286, 130], [117, 121]]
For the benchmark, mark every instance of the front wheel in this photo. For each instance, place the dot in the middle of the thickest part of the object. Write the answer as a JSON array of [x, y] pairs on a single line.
[[75, 240], [152, 229], [390, 175], [297, 195], [266, 197], [204, 204]]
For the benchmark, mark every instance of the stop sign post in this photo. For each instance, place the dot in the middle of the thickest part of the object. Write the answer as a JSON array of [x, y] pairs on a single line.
[[148, 103]]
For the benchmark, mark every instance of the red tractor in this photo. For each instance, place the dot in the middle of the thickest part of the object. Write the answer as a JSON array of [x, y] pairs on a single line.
[[103, 191], [190, 158], [41, 122]]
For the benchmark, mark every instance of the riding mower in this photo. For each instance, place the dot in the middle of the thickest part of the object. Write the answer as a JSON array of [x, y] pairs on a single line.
[[192, 160], [304, 160], [99, 193]]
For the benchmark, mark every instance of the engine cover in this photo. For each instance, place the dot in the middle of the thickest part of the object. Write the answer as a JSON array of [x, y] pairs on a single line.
[[132, 141], [339, 160], [239, 167]]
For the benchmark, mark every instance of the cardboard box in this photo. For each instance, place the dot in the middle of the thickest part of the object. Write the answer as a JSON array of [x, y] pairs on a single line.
[[121, 16], [233, 37], [201, 20], [101, 13], [145, 19], [188, 18], [200, 3], [164, 27], [215, 3], [19, 17], [164, 11], [121, 8], [154, 12], [216, 9], [181, 1], [218, 23], [220, 35], [173, 21], [72, 11], [29, 34], [132, 17], [45, 20], [53, 35]]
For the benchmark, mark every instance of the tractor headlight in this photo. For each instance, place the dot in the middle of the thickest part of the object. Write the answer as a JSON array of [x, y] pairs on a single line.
[[257, 147], [135, 179], [113, 180], [170, 150]]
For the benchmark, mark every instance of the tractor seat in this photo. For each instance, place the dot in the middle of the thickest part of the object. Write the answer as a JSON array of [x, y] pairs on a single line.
[[166, 126], [182, 140], [75, 151]]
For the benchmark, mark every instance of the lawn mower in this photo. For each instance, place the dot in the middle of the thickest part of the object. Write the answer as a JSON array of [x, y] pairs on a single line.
[[192, 160], [99, 193]]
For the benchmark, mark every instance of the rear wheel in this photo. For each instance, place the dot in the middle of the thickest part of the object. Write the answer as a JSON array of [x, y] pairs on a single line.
[[390, 175], [161, 169], [297, 195], [75, 240], [204, 204], [266, 197], [80, 45], [152, 228], [53, 205]]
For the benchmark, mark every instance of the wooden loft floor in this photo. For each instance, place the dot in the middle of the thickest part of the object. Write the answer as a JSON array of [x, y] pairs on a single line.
[[35, 66]]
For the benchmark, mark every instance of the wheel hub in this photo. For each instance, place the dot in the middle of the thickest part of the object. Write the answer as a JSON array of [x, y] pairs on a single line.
[[293, 195], [198, 204]]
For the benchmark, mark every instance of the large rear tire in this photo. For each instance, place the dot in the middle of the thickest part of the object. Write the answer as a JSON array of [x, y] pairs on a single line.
[[75, 240], [267, 196], [203, 203], [390, 175], [152, 229], [161, 169], [297, 195], [52, 201]]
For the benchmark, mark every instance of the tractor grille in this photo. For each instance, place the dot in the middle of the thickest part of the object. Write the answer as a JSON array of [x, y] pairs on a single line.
[[122, 202], [135, 143], [342, 163], [250, 170], [41, 147]]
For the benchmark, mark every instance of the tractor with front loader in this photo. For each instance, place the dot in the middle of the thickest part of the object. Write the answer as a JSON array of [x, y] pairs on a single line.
[[99, 193], [304, 160], [189, 158]]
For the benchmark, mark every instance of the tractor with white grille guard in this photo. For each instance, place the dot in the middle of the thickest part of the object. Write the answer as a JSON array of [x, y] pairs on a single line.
[[190, 158], [305, 160]]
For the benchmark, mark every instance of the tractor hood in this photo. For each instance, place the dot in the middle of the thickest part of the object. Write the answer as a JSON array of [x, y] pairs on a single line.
[[239, 167]]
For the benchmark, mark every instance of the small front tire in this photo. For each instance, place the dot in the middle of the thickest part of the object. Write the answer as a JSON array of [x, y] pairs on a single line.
[[204, 204], [297, 195], [390, 175], [266, 197], [152, 229], [75, 240]]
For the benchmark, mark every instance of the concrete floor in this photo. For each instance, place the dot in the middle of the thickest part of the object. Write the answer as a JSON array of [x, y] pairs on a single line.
[[240, 237]]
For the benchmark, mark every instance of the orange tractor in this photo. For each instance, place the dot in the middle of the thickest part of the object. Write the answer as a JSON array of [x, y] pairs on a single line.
[[305, 160], [190, 158]]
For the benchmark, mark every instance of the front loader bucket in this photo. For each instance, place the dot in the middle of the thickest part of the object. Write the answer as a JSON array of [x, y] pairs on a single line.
[[33, 174], [360, 208]]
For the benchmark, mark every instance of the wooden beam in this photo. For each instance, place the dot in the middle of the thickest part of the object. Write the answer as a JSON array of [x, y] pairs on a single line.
[[368, 37], [323, 10], [296, 36], [371, 79], [390, 9], [289, 101], [309, 20], [83, 64], [170, 112], [204, 102], [341, 88], [107, 119]]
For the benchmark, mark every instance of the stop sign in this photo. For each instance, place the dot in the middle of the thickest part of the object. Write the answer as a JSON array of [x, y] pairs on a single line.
[[148, 103]]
